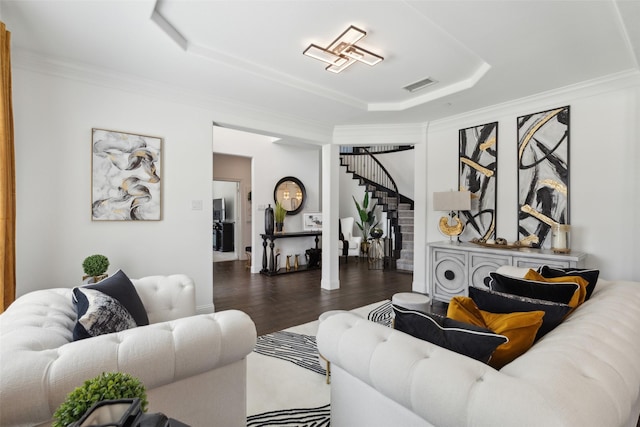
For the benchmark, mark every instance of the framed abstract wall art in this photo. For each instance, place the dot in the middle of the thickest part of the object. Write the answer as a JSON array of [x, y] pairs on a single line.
[[477, 173], [125, 176], [312, 221], [543, 174]]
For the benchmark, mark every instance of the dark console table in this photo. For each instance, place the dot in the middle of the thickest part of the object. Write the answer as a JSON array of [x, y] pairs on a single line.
[[269, 268]]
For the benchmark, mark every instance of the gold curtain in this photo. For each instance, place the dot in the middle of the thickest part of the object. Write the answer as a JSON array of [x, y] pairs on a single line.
[[7, 177]]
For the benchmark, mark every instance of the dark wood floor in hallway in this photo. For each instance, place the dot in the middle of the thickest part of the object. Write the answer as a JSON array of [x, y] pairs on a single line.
[[279, 302]]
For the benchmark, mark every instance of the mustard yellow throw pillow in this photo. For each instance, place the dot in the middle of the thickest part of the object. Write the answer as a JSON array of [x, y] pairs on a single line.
[[519, 327], [580, 294]]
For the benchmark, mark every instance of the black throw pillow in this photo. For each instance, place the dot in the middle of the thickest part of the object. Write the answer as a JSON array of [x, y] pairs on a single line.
[[464, 338], [98, 314], [119, 287], [498, 302], [556, 292], [590, 275]]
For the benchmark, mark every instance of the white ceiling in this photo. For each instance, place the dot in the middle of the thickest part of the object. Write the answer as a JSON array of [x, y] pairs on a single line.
[[249, 53]]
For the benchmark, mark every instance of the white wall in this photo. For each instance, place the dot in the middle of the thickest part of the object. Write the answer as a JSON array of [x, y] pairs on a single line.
[[604, 159], [53, 121]]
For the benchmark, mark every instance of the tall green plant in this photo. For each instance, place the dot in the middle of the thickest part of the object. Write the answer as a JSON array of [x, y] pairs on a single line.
[[367, 216], [280, 213]]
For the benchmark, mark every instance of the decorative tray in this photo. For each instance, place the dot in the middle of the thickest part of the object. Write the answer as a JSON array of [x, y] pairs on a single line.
[[516, 245]]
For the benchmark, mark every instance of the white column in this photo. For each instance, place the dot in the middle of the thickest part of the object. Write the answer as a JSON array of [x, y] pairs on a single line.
[[420, 216], [330, 213]]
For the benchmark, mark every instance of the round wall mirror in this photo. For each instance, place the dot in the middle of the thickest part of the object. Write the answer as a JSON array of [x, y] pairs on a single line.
[[291, 194]]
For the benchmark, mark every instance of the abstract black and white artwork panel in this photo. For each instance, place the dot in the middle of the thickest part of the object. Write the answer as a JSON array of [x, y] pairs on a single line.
[[478, 168], [543, 174], [126, 171]]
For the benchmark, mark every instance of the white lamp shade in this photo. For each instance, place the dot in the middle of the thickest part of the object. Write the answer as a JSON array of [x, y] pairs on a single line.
[[452, 201]]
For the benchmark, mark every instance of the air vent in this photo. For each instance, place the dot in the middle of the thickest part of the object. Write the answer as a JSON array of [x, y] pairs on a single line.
[[414, 87]]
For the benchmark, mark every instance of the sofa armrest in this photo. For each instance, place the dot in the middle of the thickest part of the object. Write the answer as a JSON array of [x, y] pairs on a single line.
[[166, 297], [158, 354]]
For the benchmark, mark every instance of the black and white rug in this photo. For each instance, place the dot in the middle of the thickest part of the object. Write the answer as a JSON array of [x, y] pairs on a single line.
[[286, 381]]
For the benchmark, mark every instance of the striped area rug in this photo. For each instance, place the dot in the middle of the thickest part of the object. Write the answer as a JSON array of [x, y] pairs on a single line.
[[286, 380]]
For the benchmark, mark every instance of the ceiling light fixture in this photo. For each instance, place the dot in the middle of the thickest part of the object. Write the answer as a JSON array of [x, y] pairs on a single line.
[[343, 52]]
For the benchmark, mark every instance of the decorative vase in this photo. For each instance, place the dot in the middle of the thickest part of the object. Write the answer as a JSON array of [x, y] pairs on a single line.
[[295, 262], [279, 227], [288, 265], [94, 279], [364, 247], [268, 220], [376, 233]]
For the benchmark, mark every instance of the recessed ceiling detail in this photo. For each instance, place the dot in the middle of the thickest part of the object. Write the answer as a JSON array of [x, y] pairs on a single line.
[[343, 52]]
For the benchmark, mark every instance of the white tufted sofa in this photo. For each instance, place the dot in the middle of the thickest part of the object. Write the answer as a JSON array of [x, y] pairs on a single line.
[[584, 373], [193, 366]]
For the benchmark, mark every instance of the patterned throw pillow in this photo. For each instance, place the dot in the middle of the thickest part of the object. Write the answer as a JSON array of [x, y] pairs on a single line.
[[99, 314], [118, 288]]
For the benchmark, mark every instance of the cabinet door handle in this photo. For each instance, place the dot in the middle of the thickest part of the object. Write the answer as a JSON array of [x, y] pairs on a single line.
[[449, 275]]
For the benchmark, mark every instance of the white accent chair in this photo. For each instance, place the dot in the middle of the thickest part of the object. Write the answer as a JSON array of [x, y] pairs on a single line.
[[193, 366], [349, 244]]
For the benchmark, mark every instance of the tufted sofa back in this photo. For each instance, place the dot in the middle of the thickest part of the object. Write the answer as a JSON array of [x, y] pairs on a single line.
[[166, 297]]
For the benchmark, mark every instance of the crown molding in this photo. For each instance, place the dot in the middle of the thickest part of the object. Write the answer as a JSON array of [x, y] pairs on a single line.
[[547, 99], [231, 113]]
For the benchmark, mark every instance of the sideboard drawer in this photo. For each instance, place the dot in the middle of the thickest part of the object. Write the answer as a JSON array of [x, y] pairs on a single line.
[[526, 262], [480, 265], [449, 274]]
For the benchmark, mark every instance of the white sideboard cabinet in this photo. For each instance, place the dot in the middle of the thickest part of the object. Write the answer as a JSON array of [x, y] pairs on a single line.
[[453, 267]]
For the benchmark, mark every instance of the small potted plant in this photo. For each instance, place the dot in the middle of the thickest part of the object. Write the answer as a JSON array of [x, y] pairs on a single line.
[[95, 267], [106, 386], [280, 213]]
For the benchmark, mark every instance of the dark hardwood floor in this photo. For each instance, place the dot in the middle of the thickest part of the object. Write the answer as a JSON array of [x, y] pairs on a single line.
[[279, 302]]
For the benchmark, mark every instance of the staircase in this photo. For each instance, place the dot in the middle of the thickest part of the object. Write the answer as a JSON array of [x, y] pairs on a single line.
[[405, 222], [362, 164]]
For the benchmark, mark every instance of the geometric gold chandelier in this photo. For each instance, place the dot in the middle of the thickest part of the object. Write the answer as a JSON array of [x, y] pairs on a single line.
[[343, 52]]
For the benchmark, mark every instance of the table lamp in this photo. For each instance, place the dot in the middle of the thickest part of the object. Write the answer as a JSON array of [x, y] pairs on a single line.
[[451, 201]]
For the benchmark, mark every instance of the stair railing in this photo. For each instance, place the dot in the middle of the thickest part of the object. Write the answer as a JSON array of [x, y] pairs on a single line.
[[362, 163]]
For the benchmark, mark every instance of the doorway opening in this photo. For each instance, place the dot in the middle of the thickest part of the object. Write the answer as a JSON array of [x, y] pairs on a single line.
[[232, 220], [226, 220]]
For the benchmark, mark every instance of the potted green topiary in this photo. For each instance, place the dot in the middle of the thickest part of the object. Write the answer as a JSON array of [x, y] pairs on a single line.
[[280, 213], [95, 266], [106, 386]]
